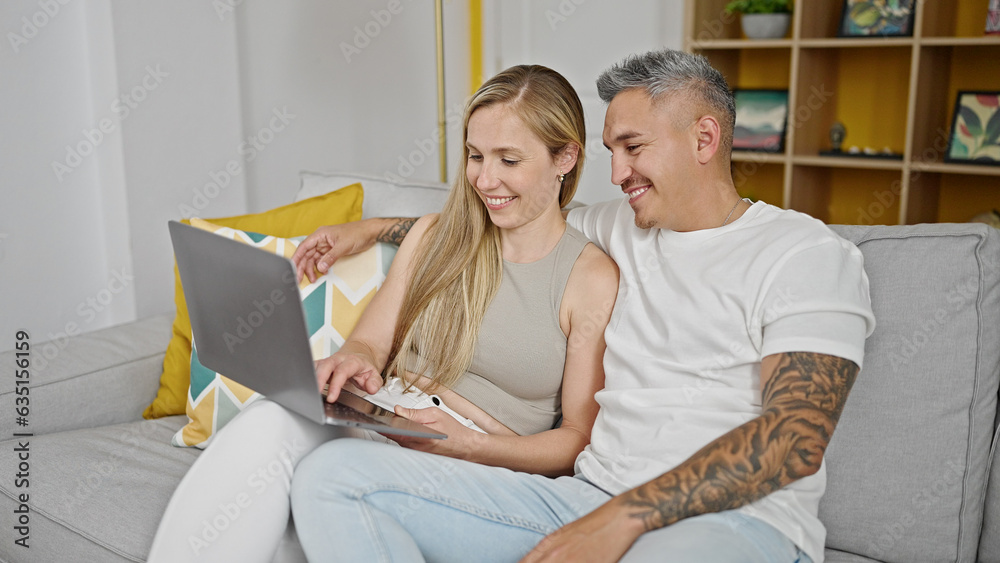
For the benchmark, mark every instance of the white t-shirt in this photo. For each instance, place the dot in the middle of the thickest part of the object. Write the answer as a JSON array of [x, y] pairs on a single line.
[[696, 312]]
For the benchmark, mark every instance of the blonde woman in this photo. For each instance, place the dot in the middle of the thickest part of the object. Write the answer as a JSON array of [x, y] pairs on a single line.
[[495, 306]]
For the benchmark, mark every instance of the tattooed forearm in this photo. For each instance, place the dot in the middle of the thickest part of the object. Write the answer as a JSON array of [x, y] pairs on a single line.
[[396, 230], [802, 402]]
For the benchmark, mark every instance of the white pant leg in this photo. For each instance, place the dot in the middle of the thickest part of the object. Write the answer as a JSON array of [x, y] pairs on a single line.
[[232, 505]]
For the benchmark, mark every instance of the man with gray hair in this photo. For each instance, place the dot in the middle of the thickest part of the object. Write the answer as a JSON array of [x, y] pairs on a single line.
[[737, 334]]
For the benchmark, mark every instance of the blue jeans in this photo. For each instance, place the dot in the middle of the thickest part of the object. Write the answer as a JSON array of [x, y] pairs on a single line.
[[354, 500]]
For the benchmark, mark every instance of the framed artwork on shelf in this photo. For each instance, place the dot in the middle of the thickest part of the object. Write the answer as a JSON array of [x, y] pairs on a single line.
[[877, 18], [761, 118], [975, 129], [993, 18]]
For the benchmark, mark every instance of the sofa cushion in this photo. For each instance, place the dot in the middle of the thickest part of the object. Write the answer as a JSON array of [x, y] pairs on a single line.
[[834, 556], [384, 197], [299, 218], [95, 494], [907, 466], [83, 380]]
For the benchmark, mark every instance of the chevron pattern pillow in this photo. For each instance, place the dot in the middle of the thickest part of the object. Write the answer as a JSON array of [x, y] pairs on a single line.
[[332, 304]]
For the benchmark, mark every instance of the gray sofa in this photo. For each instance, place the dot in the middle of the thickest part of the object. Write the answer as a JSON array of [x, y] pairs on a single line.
[[909, 469]]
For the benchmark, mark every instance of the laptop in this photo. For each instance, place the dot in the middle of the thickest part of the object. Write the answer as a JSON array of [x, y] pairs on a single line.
[[248, 323]]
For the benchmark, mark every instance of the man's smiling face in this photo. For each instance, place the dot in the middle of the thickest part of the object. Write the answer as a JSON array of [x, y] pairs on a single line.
[[652, 151]]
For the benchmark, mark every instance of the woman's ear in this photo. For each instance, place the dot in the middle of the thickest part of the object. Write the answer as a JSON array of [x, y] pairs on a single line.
[[567, 157]]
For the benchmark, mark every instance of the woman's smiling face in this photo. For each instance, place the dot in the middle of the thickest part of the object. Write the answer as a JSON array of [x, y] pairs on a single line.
[[510, 168]]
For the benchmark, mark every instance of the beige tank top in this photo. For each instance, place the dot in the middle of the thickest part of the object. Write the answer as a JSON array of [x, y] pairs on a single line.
[[517, 369]]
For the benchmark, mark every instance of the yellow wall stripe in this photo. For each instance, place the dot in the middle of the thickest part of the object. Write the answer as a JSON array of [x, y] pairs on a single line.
[[475, 45]]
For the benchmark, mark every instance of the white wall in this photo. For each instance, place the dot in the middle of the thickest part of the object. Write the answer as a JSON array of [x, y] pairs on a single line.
[[182, 133], [56, 256], [359, 77], [179, 86], [579, 39]]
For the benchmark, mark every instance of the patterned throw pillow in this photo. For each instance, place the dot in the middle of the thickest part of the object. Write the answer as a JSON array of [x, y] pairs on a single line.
[[297, 219], [332, 305]]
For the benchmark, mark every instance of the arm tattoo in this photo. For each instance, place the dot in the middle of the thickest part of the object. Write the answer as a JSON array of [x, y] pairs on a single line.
[[802, 403], [395, 232]]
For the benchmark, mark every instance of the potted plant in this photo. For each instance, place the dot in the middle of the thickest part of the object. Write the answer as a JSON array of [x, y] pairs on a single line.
[[762, 19]]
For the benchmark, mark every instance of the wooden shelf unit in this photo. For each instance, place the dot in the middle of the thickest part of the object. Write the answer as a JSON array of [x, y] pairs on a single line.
[[893, 92]]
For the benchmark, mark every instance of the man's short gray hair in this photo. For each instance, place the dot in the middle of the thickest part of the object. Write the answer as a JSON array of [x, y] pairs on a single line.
[[668, 71]]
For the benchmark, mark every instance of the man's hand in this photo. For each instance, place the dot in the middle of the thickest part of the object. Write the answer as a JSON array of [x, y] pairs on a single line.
[[604, 535]]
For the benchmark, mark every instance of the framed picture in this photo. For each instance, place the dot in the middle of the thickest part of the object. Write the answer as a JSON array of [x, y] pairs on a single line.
[[761, 118], [877, 18], [993, 18], [975, 129]]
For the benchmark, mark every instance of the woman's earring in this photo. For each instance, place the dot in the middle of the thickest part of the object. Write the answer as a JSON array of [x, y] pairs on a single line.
[[562, 177]]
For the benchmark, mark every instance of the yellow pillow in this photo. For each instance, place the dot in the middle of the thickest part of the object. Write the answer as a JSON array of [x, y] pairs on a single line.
[[332, 305], [296, 219]]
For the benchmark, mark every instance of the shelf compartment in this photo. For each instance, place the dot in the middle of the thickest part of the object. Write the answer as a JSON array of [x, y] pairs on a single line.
[[950, 198], [759, 68], [818, 19], [866, 89], [964, 18], [964, 196], [709, 22], [847, 195], [943, 72], [760, 180]]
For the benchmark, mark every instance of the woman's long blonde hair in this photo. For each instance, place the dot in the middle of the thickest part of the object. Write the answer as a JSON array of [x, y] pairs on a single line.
[[458, 266]]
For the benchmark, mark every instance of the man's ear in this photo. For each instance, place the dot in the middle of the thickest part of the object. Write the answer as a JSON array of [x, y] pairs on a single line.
[[567, 157], [708, 135]]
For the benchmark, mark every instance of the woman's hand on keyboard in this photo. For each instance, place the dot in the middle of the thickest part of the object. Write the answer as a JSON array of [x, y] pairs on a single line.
[[334, 371]]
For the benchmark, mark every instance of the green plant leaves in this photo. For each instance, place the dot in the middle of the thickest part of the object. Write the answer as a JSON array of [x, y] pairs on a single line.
[[993, 128]]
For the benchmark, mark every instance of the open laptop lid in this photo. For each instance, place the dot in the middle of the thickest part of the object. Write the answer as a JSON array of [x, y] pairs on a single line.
[[248, 323]]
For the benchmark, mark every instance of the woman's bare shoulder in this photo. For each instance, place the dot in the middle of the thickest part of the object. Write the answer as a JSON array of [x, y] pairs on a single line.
[[593, 281]]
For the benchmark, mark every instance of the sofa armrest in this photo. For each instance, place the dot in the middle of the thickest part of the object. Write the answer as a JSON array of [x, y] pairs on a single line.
[[93, 379]]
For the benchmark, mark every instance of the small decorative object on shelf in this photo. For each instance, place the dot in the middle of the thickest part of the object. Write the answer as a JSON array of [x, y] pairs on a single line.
[[837, 134], [877, 18], [762, 19], [761, 117], [993, 18], [975, 129], [991, 218]]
